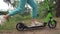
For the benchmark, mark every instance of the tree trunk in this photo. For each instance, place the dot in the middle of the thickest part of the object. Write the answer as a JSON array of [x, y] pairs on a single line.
[[58, 8]]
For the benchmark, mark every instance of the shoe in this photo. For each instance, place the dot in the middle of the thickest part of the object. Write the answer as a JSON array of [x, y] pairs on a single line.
[[36, 24], [2, 19], [32, 25]]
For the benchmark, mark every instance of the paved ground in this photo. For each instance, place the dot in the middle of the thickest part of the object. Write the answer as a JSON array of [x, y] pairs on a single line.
[[45, 30]]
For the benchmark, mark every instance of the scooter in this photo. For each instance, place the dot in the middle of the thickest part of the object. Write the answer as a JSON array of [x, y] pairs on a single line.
[[48, 21]]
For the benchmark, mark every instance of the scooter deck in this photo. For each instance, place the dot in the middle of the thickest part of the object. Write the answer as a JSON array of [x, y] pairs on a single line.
[[36, 26]]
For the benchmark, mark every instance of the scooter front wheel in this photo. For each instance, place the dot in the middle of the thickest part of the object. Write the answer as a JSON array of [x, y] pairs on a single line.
[[52, 24]]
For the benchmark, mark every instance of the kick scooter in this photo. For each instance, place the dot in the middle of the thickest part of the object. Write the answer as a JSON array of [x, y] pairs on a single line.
[[48, 21]]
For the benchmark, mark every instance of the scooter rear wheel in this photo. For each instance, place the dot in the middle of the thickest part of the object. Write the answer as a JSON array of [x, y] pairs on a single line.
[[20, 26]]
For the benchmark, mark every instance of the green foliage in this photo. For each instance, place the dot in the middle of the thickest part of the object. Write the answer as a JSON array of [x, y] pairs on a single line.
[[3, 13], [25, 12], [15, 4], [42, 8]]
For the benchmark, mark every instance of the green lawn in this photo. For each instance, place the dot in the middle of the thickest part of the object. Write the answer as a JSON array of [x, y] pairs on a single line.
[[11, 23]]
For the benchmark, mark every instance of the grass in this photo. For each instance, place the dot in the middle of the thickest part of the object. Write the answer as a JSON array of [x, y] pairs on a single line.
[[11, 23]]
